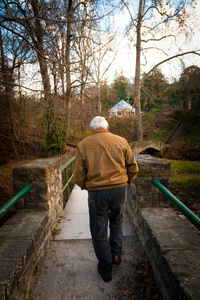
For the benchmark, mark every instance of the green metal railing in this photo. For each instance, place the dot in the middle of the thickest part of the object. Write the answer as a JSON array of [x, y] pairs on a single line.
[[8, 205], [67, 179], [184, 209]]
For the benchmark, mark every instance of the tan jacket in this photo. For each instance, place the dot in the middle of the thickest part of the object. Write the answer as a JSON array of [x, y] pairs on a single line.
[[104, 161]]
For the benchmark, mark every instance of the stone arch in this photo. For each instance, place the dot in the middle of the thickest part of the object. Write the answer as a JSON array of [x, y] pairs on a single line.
[[149, 147]]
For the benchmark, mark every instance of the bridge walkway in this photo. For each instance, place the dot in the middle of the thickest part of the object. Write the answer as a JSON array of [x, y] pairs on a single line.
[[70, 267]]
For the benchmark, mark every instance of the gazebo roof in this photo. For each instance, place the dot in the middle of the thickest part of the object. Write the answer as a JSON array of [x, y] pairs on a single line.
[[122, 105]]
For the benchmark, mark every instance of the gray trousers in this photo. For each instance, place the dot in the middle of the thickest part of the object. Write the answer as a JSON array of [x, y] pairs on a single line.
[[104, 206]]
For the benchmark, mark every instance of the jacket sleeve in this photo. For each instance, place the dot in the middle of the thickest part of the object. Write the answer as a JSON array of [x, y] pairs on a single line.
[[131, 165], [80, 171]]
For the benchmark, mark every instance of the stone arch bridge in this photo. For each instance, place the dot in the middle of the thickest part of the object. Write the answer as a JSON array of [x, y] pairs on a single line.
[[149, 147]]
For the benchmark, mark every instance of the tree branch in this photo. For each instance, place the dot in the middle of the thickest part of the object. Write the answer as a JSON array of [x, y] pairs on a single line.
[[133, 20], [156, 40], [149, 48], [170, 58]]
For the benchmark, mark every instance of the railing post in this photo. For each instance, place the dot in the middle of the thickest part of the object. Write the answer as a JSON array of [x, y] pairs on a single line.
[[66, 180], [72, 170]]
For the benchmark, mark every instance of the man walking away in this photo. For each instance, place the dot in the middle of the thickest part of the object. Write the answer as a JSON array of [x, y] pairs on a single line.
[[104, 165]]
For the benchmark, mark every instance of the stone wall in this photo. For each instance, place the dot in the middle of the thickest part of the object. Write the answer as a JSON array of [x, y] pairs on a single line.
[[46, 178], [25, 237], [171, 242]]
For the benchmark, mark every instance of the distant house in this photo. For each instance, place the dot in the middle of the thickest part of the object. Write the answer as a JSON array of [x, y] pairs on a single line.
[[121, 109]]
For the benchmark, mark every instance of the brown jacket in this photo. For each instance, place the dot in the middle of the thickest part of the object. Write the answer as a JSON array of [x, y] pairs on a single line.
[[104, 161]]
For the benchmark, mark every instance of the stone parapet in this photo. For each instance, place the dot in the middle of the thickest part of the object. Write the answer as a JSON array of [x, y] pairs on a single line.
[[46, 178], [24, 238], [173, 248], [169, 239], [23, 243], [142, 193]]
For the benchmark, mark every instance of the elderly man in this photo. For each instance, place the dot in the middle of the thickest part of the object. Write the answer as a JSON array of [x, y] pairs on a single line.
[[104, 165]]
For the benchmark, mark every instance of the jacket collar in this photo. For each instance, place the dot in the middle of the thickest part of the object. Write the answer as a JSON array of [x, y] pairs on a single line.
[[98, 130]]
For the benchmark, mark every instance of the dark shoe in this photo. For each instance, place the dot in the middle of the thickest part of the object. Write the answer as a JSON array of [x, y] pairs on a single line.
[[105, 278], [116, 260]]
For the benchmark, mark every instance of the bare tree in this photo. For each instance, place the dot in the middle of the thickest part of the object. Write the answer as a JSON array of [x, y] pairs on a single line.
[[82, 50], [76, 16], [102, 60], [149, 29], [138, 118], [24, 21], [7, 77]]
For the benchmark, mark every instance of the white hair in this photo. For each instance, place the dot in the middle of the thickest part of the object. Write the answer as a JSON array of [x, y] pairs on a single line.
[[98, 122]]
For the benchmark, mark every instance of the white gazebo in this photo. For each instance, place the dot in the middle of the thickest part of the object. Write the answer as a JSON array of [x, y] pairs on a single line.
[[122, 109]]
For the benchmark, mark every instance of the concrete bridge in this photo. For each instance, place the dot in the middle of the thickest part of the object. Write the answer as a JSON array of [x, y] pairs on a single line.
[[170, 242]]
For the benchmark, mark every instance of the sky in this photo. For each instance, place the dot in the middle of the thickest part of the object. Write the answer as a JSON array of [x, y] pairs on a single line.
[[125, 59]]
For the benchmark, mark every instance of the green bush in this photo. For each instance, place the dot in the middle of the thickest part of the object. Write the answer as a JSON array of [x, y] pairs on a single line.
[[53, 127]]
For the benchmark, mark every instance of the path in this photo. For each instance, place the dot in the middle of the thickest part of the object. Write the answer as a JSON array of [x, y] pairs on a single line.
[[70, 267]]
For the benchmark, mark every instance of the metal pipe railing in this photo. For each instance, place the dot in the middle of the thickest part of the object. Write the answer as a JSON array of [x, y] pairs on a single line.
[[67, 163], [67, 179], [184, 209], [8, 205]]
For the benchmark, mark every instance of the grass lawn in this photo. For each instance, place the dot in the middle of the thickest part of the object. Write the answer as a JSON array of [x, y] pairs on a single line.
[[185, 183]]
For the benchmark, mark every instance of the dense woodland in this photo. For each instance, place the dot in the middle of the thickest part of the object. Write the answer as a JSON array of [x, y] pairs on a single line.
[[54, 56]]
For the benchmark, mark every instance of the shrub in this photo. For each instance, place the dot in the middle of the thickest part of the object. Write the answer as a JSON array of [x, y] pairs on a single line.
[[53, 127]]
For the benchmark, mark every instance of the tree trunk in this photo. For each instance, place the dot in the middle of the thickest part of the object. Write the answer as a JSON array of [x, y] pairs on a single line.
[[189, 103], [45, 78], [7, 121], [138, 118], [82, 106], [98, 98], [54, 73], [39, 45], [8, 89], [61, 68], [98, 91], [68, 71]]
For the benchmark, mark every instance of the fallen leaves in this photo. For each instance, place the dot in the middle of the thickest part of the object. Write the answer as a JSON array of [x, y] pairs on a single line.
[[140, 284]]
